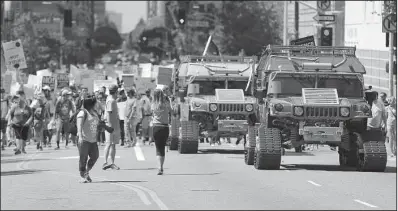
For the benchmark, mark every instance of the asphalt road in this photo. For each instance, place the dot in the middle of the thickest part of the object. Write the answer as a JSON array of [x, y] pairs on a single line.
[[216, 178]]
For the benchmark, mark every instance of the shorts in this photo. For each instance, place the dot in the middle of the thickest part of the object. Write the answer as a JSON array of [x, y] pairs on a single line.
[[113, 138], [21, 132], [3, 125], [63, 126]]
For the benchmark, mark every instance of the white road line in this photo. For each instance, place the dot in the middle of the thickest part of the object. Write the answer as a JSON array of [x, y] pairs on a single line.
[[77, 157], [316, 184], [138, 152], [364, 203]]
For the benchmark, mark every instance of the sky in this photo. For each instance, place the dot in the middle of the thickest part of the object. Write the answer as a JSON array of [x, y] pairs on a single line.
[[132, 12]]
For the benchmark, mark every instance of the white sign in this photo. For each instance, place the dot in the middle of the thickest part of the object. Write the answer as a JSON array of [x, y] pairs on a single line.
[[128, 81], [14, 55], [98, 84], [143, 84]]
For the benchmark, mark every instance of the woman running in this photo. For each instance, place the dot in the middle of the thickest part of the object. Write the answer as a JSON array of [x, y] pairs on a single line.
[[161, 109], [87, 128]]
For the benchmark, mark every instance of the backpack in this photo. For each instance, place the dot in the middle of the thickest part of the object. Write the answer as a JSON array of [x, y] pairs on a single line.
[[73, 121]]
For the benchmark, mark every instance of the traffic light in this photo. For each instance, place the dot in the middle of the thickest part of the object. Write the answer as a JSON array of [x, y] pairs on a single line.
[[68, 18], [181, 16], [326, 36]]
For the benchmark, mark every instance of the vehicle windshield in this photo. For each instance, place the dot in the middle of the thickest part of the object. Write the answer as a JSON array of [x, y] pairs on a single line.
[[209, 87], [347, 86], [239, 85]]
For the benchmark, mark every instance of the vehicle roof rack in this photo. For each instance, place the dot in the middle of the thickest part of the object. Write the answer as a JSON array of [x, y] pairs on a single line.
[[216, 59], [310, 50]]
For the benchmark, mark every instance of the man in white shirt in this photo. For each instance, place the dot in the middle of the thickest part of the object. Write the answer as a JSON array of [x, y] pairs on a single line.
[[379, 117]]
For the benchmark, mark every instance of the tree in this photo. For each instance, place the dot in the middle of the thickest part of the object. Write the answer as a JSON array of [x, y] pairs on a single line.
[[248, 25]]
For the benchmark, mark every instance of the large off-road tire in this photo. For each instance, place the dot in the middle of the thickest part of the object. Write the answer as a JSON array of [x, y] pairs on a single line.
[[348, 153], [175, 128], [189, 140], [250, 145], [372, 155], [268, 151]]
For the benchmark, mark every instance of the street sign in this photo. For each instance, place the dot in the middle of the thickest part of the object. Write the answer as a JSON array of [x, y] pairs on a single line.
[[323, 5], [324, 18], [305, 41], [14, 55], [198, 24], [390, 23]]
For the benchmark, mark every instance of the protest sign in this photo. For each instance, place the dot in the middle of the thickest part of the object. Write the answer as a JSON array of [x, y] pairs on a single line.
[[88, 83], [62, 80], [6, 81], [13, 55], [146, 70], [48, 81], [98, 84], [121, 107], [33, 79], [164, 76], [143, 84], [128, 81]]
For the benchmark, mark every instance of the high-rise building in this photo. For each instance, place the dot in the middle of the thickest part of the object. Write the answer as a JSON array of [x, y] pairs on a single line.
[[116, 18]]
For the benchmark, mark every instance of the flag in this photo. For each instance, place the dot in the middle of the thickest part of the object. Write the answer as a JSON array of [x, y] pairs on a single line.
[[213, 49]]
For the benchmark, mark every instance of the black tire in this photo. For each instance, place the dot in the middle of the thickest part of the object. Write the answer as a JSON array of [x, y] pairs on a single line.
[[173, 143], [371, 156], [188, 143], [250, 145], [348, 157], [268, 151], [249, 155]]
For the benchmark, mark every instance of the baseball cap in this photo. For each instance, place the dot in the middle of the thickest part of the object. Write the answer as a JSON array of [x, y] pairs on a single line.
[[66, 92], [46, 88], [113, 88]]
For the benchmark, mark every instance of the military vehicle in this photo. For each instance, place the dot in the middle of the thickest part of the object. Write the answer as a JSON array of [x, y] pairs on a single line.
[[214, 101], [314, 95]]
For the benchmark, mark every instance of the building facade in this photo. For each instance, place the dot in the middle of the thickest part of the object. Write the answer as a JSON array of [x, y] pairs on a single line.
[[363, 29], [116, 18]]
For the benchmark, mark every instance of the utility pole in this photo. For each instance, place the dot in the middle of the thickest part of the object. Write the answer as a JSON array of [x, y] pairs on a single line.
[[285, 23], [391, 64], [296, 19], [91, 31]]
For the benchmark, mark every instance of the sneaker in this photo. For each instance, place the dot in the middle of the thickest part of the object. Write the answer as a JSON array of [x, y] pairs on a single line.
[[17, 152], [105, 166], [23, 151], [83, 180], [41, 148], [56, 148], [134, 144], [160, 172], [87, 177], [127, 146], [114, 167]]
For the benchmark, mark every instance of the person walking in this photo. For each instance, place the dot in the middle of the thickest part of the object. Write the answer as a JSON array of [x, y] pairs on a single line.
[[161, 110], [20, 117], [147, 113], [120, 99], [392, 124], [87, 124], [131, 119], [49, 107], [61, 118], [112, 120], [3, 120], [40, 115]]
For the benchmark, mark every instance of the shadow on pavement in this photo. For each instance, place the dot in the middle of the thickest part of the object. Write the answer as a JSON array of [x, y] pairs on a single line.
[[121, 181], [221, 151], [199, 174], [318, 167], [141, 169], [289, 153], [21, 160], [20, 172]]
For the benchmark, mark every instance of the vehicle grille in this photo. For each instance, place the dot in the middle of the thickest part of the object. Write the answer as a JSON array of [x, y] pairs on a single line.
[[320, 96], [321, 111], [231, 107]]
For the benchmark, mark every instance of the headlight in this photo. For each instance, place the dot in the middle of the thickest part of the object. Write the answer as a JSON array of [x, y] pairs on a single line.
[[278, 107], [298, 111], [197, 104], [213, 107], [249, 107], [344, 111]]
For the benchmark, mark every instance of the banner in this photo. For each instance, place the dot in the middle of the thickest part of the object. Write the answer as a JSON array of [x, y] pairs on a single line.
[[164, 76], [128, 81], [48, 81], [6, 81], [62, 80]]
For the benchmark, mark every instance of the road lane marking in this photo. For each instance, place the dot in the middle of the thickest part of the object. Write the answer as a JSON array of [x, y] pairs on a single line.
[[316, 184], [138, 152], [136, 188], [366, 204], [76, 157]]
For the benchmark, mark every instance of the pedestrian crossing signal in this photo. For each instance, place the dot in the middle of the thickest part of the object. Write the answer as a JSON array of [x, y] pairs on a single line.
[[326, 36], [181, 16]]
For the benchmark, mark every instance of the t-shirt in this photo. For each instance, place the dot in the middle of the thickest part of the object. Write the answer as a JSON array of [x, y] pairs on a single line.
[[112, 110], [63, 108], [161, 115], [20, 116], [378, 115], [131, 109], [90, 126], [146, 105]]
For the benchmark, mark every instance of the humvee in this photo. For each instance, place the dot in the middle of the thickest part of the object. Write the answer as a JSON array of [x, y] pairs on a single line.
[[213, 98], [314, 95]]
